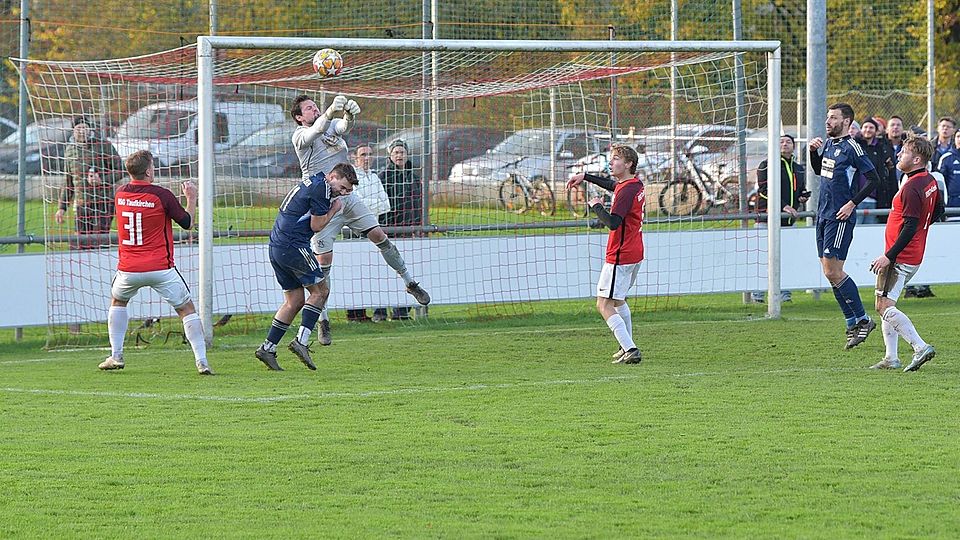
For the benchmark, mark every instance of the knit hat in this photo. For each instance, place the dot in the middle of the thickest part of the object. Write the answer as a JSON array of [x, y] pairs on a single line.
[[396, 143], [854, 125], [871, 121]]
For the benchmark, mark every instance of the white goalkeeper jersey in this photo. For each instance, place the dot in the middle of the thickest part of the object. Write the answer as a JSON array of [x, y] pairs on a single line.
[[319, 152], [371, 192]]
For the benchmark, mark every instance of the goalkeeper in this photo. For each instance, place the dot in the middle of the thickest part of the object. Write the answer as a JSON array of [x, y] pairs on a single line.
[[320, 146]]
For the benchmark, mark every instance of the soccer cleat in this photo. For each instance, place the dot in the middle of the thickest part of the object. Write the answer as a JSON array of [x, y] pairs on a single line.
[[203, 368], [616, 356], [921, 358], [303, 353], [887, 363], [630, 357], [111, 363], [418, 293], [324, 338], [858, 334], [268, 358]]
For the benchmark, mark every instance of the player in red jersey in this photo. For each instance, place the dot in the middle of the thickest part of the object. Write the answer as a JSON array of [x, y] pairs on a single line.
[[916, 206], [624, 245], [144, 212]]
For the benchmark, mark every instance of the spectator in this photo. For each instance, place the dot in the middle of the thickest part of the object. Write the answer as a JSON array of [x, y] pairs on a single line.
[[946, 128], [854, 131], [792, 194], [895, 136], [881, 155], [949, 166], [371, 192], [404, 191], [93, 168]]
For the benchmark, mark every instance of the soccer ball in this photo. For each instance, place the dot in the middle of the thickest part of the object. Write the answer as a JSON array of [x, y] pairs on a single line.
[[327, 63]]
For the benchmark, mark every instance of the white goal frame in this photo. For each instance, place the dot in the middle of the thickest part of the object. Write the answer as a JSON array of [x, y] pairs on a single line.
[[206, 54]]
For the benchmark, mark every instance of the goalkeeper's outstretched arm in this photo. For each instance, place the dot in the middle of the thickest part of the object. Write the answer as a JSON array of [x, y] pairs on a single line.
[[350, 113], [320, 126]]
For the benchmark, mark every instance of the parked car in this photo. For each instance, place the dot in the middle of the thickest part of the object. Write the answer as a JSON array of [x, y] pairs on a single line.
[[46, 141], [268, 152], [7, 127], [529, 153], [265, 153], [170, 130], [712, 147], [453, 145]]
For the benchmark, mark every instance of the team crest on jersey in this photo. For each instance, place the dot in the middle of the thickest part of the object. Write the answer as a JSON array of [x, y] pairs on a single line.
[[836, 152]]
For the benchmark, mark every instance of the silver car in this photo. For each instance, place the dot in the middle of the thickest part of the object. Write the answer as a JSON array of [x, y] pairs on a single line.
[[526, 154]]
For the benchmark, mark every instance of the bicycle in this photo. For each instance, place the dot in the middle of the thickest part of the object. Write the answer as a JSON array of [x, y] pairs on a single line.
[[694, 191], [519, 193]]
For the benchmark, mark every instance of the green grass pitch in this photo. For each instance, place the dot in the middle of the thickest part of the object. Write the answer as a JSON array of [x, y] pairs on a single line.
[[733, 426]]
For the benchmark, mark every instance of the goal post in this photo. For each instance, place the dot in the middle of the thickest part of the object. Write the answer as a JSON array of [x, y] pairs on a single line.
[[432, 89]]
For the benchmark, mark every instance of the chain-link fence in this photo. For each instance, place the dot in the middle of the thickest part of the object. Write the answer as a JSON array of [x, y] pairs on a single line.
[[876, 50]]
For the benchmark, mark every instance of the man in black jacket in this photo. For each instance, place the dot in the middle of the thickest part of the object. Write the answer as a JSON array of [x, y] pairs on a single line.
[[792, 194], [406, 203]]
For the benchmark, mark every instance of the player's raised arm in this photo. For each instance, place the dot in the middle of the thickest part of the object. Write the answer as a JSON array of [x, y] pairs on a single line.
[[816, 159], [189, 190]]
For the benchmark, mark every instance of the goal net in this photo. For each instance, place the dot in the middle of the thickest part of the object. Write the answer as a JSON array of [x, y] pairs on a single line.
[[478, 206]]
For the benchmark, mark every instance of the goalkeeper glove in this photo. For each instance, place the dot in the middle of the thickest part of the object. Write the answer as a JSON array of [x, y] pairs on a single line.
[[335, 107], [352, 107]]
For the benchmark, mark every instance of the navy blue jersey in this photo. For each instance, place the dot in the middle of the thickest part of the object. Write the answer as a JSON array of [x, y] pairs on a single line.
[[843, 158], [309, 197], [949, 167]]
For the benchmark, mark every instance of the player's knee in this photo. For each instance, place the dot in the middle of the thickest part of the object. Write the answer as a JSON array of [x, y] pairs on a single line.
[[376, 235], [325, 259], [187, 308]]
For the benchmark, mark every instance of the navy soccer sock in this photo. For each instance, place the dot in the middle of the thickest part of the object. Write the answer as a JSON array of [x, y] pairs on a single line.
[[848, 315], [848, 289], [277, 330]]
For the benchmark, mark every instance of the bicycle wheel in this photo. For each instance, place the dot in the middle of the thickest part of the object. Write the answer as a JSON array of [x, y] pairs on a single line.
[[542, 197], [512, 195], [577, 201], [729, 194], [681, 198]]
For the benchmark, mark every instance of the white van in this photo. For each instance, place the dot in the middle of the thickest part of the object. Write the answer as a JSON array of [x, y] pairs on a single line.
[[169, 130]]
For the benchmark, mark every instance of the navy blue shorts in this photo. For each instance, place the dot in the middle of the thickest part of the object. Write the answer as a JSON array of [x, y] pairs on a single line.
[[295, 268], [833, 238]]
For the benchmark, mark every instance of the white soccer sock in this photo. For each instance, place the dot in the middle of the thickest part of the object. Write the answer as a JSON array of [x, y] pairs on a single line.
[[904, 326], [193, 330], [117, 321], [323, 315], [303, 335], [624, 312], [891, 339], [619, 329]]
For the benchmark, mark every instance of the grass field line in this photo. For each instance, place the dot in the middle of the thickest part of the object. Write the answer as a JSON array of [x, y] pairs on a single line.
[[413, 390]]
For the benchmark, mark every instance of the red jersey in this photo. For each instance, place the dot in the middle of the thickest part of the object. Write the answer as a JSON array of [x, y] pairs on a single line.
[[144, 212], [917, 198], [625, 243]]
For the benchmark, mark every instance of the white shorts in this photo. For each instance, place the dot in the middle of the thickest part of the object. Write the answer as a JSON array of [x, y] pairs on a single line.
[[169, 284], [355, 215], [616, 280], [892, 279]]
